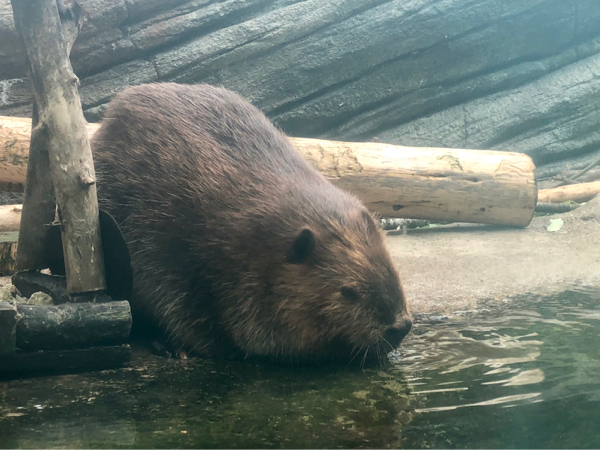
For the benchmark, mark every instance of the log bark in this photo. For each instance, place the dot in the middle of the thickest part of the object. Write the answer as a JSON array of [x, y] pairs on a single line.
[[575, 192], [54, 85], [421, 183], [8, 328], [430, 183], [99, 357], [60, 327], [39, 204]]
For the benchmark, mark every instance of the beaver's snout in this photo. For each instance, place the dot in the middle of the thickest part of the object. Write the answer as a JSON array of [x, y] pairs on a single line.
[[398, 331]]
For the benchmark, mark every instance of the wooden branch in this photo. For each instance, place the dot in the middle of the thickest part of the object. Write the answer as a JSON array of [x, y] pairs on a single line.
[[117, 269], [72, 325], [70, 158], [575, 192], [39, 204], [419, 183], [555, 208]]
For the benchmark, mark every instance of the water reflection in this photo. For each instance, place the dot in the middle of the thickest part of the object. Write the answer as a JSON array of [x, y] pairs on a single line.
[[529, 362], [164, 403], [495, 401]]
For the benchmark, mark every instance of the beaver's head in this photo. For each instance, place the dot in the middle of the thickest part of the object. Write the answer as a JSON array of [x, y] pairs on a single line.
[[332, 291]]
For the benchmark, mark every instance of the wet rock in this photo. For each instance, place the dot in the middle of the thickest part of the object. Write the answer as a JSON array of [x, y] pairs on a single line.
[[40, 298]]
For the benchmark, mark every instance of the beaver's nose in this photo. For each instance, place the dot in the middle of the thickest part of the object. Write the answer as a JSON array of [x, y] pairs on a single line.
[[398, 331]]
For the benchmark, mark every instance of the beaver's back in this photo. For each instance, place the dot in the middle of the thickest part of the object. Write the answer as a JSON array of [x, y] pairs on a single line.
[[195, 138]]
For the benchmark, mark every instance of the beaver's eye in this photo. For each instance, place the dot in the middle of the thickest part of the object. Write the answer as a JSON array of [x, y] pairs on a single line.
[[349, 294]]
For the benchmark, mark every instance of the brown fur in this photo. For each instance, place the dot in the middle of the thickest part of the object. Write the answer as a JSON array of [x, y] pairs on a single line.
[[212, 200]]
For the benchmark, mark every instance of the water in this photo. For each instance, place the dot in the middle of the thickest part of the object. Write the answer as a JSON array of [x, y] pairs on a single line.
[[524, 374]]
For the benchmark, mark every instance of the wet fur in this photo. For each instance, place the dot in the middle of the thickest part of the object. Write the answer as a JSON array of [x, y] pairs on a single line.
[[212, 200]]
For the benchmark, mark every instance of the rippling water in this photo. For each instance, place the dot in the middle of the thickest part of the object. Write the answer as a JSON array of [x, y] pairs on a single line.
[[524, 374]]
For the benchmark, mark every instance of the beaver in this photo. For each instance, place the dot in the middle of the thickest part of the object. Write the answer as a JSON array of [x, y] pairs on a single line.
[[238, 244]]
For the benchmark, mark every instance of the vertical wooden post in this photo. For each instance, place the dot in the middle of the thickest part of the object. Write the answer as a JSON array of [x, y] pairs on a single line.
[[47, 43], [39, 205]]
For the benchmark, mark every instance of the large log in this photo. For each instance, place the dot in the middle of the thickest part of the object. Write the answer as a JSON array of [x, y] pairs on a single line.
[[47, 41], [72, 325], [430, 183], [407, 182]]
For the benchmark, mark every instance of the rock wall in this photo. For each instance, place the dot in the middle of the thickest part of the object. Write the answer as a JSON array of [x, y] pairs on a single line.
[[508, 75]]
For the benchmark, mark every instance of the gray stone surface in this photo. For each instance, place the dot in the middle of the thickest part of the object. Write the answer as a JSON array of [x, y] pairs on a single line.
[[510, 75]]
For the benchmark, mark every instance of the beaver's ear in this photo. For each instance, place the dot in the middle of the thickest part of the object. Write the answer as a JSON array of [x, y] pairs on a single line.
[[369, 219], [303, 245]]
